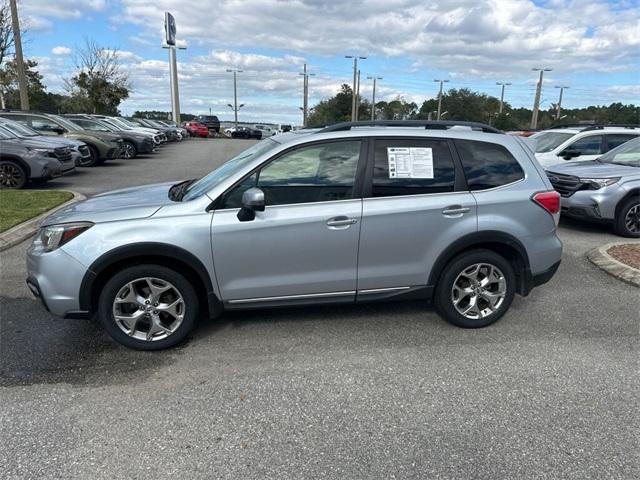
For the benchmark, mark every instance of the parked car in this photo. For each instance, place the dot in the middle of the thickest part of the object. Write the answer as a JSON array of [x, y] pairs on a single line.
[[133, 142], [196, 129], [79, 150], [24, 160], [465, 217], [246, 132], [267, 130], [579, 142], [102, 147], [171, 133], [604, 190], [159, 137], [171, 124], [211, 121]]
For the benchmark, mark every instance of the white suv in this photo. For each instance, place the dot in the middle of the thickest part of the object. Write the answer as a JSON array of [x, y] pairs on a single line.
[[580, 143]]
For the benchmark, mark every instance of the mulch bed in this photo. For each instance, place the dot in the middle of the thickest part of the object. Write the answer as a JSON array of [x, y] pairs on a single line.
[[629, 254]]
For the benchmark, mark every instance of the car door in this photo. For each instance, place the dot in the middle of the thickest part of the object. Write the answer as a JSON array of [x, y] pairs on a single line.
[[304, 245], [590, 147], [415, 205]]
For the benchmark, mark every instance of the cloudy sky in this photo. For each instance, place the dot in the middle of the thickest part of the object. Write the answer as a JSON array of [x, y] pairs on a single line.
[[593, 46]]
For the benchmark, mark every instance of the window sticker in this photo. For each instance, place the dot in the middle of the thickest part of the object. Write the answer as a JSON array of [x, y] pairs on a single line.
[[410, 162]]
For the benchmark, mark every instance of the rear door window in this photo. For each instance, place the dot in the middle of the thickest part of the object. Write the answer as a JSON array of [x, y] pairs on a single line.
[[487, 165], [617, 139], [412, 167], [589, 145]]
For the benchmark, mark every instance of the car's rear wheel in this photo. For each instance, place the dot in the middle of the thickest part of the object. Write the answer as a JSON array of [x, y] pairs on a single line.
[[148, 307], [12, 175], [627, 222], [129, 150], [475, 289]]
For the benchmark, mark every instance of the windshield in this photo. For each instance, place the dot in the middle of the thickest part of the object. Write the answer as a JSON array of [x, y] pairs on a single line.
[[6, 134], [66, 123], [125, 123], [626, 154], [547, 141], [18, 129], [234, 165]]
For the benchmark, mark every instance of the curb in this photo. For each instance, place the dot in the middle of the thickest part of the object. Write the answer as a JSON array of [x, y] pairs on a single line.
[[600, 258], [24, 230]]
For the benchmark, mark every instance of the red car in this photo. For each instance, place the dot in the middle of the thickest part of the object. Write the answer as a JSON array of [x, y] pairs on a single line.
[[196, 129]]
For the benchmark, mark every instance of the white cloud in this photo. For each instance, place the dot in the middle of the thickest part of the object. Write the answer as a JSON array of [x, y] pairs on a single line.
[[476, 37], [37, 13], [61, 50]]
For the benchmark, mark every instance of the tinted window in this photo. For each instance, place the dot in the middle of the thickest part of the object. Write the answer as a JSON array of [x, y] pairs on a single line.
[[412, 167], [547, 141], [590, 145], [317, 173], [614, 141], [43, 124], [487, 165]]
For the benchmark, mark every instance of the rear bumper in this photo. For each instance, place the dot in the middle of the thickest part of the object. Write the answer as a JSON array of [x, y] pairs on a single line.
[[530, 281]]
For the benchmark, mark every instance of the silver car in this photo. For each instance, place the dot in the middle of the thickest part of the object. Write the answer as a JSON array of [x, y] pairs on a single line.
[[455, 213], [606, 189]]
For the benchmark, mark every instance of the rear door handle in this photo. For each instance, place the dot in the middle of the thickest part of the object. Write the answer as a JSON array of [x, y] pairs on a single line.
[[455, 210], [340, 222]]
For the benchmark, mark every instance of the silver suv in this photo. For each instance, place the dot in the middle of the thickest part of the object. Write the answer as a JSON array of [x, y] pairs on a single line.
[[457, 213], [606, 189]]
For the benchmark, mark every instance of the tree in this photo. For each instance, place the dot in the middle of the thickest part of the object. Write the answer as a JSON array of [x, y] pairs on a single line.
[[6, 31], [334, 109], [396, 109], [9, 91], [100, 84]]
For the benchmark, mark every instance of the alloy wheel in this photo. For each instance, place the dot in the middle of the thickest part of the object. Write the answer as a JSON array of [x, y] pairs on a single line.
[[632, 219], [479, 290], [148, 309], [11, 176], [128, 151]]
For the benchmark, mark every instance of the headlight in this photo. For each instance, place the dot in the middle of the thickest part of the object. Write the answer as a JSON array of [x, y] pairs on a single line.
[[55, 236], [41, 151], [598, 183]]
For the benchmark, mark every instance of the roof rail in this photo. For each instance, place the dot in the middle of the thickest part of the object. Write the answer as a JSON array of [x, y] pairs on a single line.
[[594, 126], [426, 124]]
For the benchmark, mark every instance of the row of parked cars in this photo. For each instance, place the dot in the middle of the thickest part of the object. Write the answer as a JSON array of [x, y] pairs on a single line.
[[36, 146], [596, 171]]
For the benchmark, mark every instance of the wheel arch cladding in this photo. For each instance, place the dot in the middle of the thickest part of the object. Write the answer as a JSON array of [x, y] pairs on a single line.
[[634, 193], [501, 243], [19, 161], [166, 255]]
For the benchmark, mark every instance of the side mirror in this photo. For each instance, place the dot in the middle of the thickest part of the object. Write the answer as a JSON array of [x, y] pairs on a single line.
[[569, 154], [58, 130], [252, 202]]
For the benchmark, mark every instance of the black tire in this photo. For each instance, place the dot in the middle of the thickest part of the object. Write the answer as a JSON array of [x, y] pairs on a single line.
[[129, 150], [121, 279], [444, 300], [627, 221], [94, 157], [12, 175]]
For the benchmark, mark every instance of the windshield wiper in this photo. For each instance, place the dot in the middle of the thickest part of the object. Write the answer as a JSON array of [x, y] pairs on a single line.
[[177, 191]]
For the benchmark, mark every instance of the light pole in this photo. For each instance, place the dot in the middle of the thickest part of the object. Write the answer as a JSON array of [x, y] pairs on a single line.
[[305, 108], [502, 94], [22, 79], [373, 97], [559, 108], [536, 102], [235, 107], [440, 96], [355, 75]]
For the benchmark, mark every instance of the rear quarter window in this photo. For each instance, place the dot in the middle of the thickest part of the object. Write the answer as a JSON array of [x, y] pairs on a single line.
[[487, 165]]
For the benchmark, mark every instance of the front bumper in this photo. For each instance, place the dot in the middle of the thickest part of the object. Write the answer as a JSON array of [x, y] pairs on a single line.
[[597, 205], [55, 278], [146, 146]]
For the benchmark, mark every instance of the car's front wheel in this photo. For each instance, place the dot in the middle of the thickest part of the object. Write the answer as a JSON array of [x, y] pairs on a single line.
[[475, 289], [129, 150], [12, 175], [627, 222], [148, 307]]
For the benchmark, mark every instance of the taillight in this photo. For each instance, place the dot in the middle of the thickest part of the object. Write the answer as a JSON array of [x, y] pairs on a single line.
[[550, 201]]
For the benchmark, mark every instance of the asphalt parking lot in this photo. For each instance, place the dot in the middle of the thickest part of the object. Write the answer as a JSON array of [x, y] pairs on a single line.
[[348, 392]]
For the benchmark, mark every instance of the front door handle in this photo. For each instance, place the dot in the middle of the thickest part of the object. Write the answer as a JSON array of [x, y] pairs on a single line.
[[455, 210], [340, 222]]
